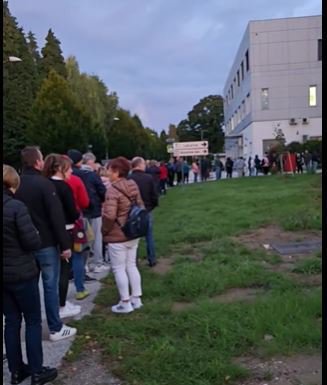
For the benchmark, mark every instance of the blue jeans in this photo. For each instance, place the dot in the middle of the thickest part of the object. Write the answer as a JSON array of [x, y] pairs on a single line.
[[218, 173], [150, 248], [195, 177], [49, 263], [23, 298], [78, 270]]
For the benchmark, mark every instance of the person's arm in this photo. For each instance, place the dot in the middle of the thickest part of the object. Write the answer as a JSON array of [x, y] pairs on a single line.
[[55, 214], [109, 211], [83, 200], [69, 204], [28, 235], [100, 188]]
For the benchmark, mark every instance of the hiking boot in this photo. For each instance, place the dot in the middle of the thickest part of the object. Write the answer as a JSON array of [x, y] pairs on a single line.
[[20, 375], [46, 375]]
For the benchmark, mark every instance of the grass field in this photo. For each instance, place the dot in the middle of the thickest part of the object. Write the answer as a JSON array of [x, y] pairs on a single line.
[[184, 335]]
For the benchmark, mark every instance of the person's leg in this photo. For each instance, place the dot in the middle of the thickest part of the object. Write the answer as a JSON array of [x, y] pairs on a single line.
[[150, 246], [118, 257], [13, 320], [64, 281], [195, 177], [79, 271], [96, 224], [132, 270], [49, 262], [29, 301]]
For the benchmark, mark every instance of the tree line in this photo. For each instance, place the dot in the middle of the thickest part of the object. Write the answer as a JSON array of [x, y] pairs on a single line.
[[48, 101]]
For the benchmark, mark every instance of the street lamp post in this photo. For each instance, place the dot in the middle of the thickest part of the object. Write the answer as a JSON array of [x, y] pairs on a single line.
[[107, 141]]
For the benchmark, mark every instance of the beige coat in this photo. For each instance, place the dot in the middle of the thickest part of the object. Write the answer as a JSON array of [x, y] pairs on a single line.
[[117, 206]]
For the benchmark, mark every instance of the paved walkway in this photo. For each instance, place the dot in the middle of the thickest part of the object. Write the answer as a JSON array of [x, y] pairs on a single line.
[[53, 352]]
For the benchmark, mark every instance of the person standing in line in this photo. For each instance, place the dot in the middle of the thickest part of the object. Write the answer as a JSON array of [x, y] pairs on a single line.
[[93, 214], [186, 172], [154, 171], [179, 170], [229, 167], [171, 172], [150, 198], [122, 251], [265, 164], [218, 167], [204, 165], [299, 163], [314, 162], [195, 170], [40, 197], [21, 297], [57, 168], [257, 163], [307, 160], [250, 166], [163, 178]]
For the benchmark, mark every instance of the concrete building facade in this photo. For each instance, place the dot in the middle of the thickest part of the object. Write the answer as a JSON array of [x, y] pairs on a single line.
[[274, 86]]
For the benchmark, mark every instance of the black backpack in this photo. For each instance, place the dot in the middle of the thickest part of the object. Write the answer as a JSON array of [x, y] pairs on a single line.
[[137, 222]]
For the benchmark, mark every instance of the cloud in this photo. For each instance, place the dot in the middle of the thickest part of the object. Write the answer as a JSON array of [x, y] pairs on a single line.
[[160, 56]]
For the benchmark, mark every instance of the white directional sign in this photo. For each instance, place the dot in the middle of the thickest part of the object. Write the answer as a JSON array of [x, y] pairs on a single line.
[[199, 148]]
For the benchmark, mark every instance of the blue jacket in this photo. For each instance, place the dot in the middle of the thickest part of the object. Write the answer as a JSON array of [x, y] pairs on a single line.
[[95, 189]]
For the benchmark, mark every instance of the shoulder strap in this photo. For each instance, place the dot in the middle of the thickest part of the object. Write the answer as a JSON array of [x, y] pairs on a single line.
[[129, 198]]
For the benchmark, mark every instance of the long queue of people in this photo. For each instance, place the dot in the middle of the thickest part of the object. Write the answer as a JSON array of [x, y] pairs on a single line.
[[60, 216]]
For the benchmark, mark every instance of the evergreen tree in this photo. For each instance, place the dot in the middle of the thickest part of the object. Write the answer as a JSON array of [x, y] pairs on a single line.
[[19, 85], [33, 47], [52, 58], [58, 121]]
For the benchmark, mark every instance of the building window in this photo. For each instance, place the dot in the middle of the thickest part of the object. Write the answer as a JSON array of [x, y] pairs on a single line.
[[238, 78], [264, 98], [320, 49], [242, 70], [312, 96], [232, 91], [243, 108], [247, 63]]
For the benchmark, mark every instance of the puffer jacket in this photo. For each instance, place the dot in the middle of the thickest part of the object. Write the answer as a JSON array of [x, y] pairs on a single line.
[[20, 238], [116, 207]]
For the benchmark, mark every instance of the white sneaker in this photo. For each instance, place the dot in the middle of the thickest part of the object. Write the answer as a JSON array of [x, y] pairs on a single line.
[[65, 332], [72, 305], [136, 303], [122, 307], [101, 269], [69, 311]]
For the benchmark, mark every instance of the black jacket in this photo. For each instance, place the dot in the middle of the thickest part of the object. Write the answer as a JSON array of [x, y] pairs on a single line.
[[41, 199], [20, 238], [147, 187], [95, 189]]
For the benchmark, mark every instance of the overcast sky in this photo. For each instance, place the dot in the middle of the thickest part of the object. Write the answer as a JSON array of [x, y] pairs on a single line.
[[160, 56]]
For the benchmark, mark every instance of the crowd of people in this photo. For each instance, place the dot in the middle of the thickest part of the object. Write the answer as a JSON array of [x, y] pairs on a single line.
[[63, 218]]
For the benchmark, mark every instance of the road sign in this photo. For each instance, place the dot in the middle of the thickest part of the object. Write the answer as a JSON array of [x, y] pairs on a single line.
[[198, 148], [170, 149]]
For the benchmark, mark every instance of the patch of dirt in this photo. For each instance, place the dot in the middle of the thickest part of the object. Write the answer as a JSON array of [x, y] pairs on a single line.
[[163, 266], [87, 370], [295, 370], [274, 234], [238, 294], [180, 306]]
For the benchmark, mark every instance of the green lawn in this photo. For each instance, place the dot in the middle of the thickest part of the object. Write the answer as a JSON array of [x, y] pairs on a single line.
[[196, 345]]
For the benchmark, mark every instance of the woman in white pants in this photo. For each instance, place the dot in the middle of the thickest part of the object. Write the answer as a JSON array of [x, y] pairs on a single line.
[[122, 251]]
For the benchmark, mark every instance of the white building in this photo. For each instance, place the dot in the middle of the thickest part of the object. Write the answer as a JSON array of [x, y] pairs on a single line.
[[274, 84]]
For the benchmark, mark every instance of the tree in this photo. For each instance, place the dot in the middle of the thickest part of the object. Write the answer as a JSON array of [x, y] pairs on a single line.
[[57, 122], [19, 87], [52, 58], [204, 121]]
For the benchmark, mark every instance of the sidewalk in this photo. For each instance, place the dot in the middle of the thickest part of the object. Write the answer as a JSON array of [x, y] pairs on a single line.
[[53, 352]]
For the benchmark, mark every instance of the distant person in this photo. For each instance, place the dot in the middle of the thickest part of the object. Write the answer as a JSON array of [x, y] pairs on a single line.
[[122, 251], [299, 163], [21, 297], [171, 173], [314, 162], [149, 196], [239, 166], [45, 208], [163, 178], [186, 172], [265, 164], [257, 164], [251, 166], [195, 170], [218, 167], [204, 166], [229, 167], [179, 170], [307, 160], [154, 171]]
